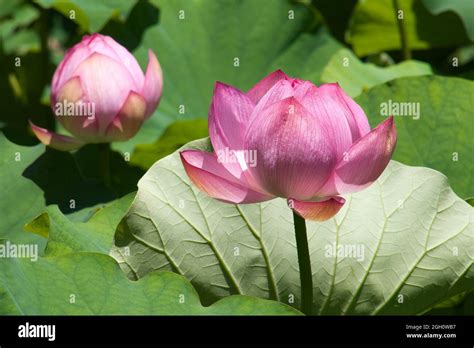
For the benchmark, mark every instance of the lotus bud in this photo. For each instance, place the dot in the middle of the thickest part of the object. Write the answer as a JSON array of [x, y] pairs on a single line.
[[99, 94]]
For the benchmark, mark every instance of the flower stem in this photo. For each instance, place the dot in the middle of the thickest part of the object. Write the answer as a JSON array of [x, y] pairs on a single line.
[[306, 277], [104, 150], [402, 31]]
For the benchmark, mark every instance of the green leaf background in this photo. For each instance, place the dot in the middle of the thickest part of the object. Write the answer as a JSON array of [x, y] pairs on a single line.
[[355, 77], [90, 15], [92, 284], [442, 138], [373, 27], [410, 253], [65, 235], [464, 9]]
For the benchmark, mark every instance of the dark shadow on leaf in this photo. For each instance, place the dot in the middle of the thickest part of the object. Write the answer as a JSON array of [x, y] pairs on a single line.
[[445, 27], [73, 181]]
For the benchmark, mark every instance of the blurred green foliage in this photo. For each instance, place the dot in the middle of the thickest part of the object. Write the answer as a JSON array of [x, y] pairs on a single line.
[[440, 136], [374, 27], [292, 35], [90, 15], [175, 136]]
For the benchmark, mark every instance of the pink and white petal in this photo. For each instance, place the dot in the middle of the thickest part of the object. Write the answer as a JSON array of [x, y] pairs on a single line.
[[317, 211], [367, 158], [100, 44], [264, 85], [356, 111], [106, 83], [294, 156], [303, 88], [153, 84], [73, 57], [228, 118], [54, 140], [83, 127], [71, 91], [329, 113], [329, 188], [129, 119], [209, 162], [280, 90], [127, 59], [355, 116], [214, 180]]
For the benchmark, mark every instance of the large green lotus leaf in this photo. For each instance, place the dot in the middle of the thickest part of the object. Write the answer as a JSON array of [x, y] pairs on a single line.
[[34, 177], [92, 284], [374, 27], [354, 76], [20, 199], [90, 15], [441, 138], [464, 9], [398, 247], [236, 42], [66, 235]]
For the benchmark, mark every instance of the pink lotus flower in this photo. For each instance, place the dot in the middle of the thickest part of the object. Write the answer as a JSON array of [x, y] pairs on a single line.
[[99, 94], [288, 138]]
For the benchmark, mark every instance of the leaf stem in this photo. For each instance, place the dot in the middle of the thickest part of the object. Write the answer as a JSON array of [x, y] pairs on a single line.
[[306, 276], [402, 31], [104, 150]]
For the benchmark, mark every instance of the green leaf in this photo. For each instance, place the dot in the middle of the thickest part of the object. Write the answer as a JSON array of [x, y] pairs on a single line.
[[464, 56], [22, 42], [460, 304], [16, 39], [407, 234], [67, 236], [17, 16], [468, 304], [199, 42], [8, 7], [92, 284], [178, 134], [25, 15], [452, 301], [464, 9], [354, 76], [441, 138], [374, 28], [21, 200], [90, 15], [33, 178]]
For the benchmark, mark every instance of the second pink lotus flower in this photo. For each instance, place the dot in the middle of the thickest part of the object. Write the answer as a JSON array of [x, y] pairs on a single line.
[[288, 138], [99, 94]]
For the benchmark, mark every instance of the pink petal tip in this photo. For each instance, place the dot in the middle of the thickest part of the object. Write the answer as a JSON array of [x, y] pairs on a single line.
[[54, 140], [317, 211]]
